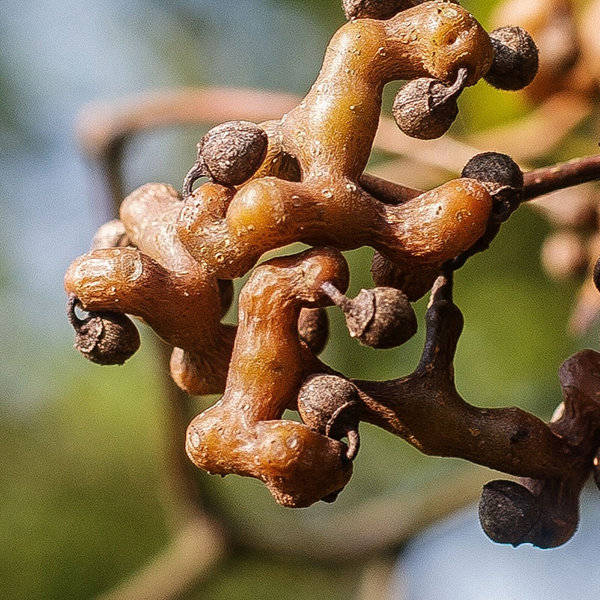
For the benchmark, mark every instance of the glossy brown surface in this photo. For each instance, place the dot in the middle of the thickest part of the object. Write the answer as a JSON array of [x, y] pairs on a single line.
[[244, 433]]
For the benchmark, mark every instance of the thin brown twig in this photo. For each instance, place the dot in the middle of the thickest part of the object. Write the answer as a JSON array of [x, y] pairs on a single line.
[[561, 175]]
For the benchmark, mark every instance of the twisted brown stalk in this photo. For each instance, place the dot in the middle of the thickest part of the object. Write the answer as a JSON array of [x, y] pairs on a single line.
[[301, 179]]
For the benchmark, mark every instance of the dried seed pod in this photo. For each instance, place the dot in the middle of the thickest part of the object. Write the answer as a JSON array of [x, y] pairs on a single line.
[[503, 179], [508, 512], [228, 154], [313, 328], [516, 62], [106, 338], [330, 405], [111, 235], [425, 108], [381, 318]]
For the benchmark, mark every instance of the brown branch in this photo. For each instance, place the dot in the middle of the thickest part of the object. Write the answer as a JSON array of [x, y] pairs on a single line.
[[536, 182], [561, 175], [425, 409], [102, 124], [386, 191]]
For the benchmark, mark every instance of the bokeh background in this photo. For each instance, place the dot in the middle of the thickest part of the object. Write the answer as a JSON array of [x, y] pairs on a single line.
[[86, 493]]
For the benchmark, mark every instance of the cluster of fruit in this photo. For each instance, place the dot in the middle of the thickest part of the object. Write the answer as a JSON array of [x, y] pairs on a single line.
[[171, 257]]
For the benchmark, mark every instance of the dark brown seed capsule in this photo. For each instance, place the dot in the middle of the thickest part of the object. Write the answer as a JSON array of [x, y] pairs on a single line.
[[516, 62], [380, 318], [503, 179], [425, 108], [106, 338], [228, 154], [331, 406], [508, 512], [313, 328]]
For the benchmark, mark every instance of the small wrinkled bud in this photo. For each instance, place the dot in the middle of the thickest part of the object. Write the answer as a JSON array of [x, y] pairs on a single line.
[[313, 328], [508, 512], [380, 318], [111, 235], [425, 108], [331, 406], [503, 179], [516, 62], [229, 154], [106, 338]]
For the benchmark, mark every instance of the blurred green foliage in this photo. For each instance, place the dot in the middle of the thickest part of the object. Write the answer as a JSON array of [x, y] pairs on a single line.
[[83, 493]]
